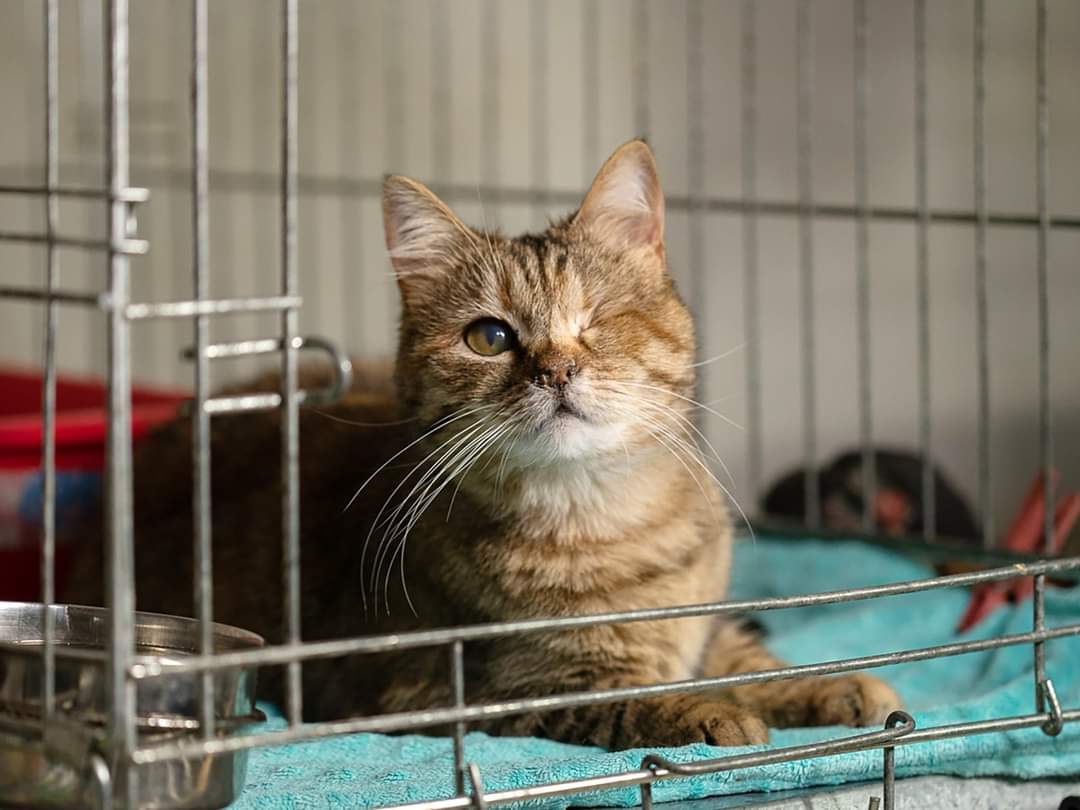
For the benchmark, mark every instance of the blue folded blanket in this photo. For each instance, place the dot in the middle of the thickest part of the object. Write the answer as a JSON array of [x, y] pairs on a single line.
[[369, 770]]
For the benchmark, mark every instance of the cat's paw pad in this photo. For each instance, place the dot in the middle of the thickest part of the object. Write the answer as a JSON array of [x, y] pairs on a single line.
[[734, 726], [854, 700], [681, 721]]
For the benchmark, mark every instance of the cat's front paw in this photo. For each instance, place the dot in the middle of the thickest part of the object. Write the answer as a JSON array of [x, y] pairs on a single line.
[[681, 721], [853, 700]]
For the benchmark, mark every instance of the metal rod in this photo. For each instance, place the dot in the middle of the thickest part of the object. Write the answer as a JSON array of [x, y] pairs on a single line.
[[590, 95], [479, 632], [220, 306], [888, 769], [200, 185], [491, 134], [751, 295], [641, 87], [862, 265], [412, 720], [441, 90], [856, 742], [243, 403], [1046, 440], [131, 195], [695, 183], [118, 510], [318, 185], [457, 673], [122, 246], [538, 107], [290, 425], [982, 330], [394, 83], [805, 118], [239, 348], [922, 236], [479, 796], [48, 393], [23, 294]]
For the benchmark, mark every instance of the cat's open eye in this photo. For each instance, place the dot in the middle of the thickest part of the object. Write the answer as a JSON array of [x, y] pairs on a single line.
[[489, 337]]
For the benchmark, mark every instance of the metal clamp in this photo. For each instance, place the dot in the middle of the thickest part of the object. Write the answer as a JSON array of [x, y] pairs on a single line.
[[341, 367], [888, 769], [1055, 722]]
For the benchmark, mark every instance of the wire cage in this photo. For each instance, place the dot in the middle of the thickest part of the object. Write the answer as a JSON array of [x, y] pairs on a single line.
[[623, 63]]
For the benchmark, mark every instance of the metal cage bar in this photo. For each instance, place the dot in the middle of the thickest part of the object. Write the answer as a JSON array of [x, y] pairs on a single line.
[[982, 320], [539, 155], [804, 106], [642, 74], [48, 394], [751, 289], [290, 422], [200, 190], [121, 573], [696, 187], [590, 74], [922, 236], [861, 30], [1046, 438]]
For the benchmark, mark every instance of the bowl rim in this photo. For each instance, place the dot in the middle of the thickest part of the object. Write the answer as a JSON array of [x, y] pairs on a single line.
[[235, 637]]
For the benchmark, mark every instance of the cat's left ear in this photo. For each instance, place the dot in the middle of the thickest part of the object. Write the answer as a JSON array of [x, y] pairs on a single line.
[[423, 235], [624, 208]]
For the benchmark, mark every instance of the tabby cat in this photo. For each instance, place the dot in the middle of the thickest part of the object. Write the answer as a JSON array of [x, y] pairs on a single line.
[[533, 456]]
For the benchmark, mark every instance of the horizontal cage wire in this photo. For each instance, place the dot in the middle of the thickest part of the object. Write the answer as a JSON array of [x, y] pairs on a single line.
[[524, 163]]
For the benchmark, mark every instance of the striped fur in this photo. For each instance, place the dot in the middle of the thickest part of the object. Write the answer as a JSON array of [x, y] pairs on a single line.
[[539, 513]]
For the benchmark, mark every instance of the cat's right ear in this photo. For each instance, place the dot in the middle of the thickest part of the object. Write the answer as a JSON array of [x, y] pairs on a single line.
[[423, 236]]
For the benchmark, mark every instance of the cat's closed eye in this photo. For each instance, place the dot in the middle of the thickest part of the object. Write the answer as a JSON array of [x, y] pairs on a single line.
[[489, 337]]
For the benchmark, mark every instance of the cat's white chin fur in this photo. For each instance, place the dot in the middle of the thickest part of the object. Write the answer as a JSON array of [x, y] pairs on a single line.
[[570, 438]]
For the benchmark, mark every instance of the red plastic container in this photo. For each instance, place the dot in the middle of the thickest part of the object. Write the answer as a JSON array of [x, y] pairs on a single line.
[[80, 456]]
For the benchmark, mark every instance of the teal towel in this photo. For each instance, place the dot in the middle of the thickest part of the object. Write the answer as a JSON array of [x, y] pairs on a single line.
[[368, 770]]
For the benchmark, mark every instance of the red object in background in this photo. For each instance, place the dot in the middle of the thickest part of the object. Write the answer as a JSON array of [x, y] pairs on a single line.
[[1024, 535], [80, 454]]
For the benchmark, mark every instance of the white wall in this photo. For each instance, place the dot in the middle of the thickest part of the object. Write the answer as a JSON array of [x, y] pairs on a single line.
[[355, 127]]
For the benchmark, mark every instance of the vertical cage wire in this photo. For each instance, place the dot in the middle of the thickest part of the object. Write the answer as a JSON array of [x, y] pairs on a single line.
[[805, 147], [1046, 446], [48, 394], [922, 237], [457, 676], [590, 71], [538, 129], [200, 187], [982, 319], [751, 296], [490, 112], [695, 164], [290, 433], [393, 84], [442, 150], [642, 115], [121, 574], [862, 263]]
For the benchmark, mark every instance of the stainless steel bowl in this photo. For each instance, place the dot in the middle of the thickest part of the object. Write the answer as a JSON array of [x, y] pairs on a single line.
[[54, 767]]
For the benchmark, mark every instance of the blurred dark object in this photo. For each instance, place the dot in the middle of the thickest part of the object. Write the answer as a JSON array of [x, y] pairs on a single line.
[[898, 507]]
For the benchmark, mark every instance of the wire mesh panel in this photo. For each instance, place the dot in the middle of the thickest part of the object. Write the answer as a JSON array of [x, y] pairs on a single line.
[[505, 191]]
